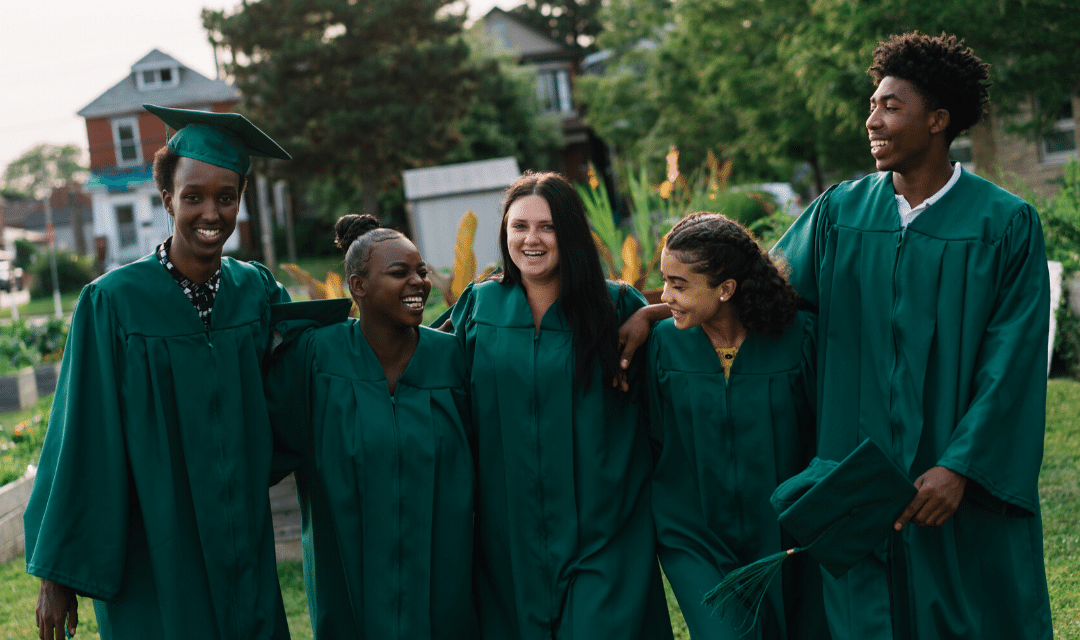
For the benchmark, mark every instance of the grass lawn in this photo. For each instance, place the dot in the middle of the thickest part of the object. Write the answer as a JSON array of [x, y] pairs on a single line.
[[42, 306], [1059, 488]]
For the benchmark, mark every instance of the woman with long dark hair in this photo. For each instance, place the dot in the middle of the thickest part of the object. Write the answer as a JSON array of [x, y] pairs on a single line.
[[565, 539], [374, 411], [731, 395]]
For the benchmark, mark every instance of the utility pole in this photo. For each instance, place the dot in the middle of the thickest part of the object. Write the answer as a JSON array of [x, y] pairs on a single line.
[[266, 223], [50, 236]]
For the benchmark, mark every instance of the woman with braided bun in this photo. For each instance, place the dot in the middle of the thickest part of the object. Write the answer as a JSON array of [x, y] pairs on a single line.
[[731, 396], [373, 412]]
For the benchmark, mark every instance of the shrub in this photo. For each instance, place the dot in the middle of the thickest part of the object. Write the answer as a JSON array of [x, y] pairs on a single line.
[[25, 254], [74, 273]]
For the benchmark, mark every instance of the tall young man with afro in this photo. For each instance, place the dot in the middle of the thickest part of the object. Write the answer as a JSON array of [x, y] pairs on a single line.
[[933, 297]]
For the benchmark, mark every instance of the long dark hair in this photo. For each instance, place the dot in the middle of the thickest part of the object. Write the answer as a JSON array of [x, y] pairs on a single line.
[[356, 236], [582, 289], [721, 248]]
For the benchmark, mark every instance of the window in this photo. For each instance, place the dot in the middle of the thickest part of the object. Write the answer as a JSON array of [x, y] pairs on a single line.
[[126, 141], [961, 151], [1059, 144], [125, 225], [553, 91], [156, 78]]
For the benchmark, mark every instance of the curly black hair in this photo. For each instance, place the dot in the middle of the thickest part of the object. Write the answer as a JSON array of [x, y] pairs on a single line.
[[165, 161], [356, 236], [721, 248], [947, 74]]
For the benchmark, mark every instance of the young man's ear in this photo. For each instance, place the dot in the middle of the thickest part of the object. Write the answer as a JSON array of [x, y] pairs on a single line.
[[940, 119]]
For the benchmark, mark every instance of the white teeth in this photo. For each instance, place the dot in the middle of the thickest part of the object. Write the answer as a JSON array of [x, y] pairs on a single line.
[[533, 254], [874, 144], [413, 302], [208, 233]]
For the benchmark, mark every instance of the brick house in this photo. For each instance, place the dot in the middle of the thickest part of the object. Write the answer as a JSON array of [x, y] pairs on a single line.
[[556, 66], [1022, 160], [129, 218], [72, 215]]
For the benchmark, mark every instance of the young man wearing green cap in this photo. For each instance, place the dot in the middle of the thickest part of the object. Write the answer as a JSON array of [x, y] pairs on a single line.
[[933, 298], [151, 496]]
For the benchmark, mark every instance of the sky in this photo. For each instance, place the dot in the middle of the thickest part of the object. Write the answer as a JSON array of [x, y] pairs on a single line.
[[56, 56]]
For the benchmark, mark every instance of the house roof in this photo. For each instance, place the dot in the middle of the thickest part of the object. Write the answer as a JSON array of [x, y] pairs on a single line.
[[465, 177], [193, 89], [511, 33]]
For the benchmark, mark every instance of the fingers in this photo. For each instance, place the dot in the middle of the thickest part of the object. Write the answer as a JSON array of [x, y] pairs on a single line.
[[939, 496], [73, 615], [628, 353], [909, 511]]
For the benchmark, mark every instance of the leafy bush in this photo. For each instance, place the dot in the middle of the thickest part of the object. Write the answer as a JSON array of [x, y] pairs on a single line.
[[633, 255], [1061, 220], [73, 271], [20, 440], [22, 345], [25, 254]]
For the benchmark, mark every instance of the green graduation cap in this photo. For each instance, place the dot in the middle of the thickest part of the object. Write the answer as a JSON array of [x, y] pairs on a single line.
[[838, 511], [223, 139]]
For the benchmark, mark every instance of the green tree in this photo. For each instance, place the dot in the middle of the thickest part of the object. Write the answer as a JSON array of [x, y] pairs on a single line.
[[772, 84], [574, 23], [503, 117], [355, 91], [36, 172], [703, 74]]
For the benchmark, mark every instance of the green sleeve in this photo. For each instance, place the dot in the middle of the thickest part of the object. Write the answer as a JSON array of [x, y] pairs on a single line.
[[627, 301], [998, 441], [657, 403], [76, 520], [808, 374], [460, 315], [275, 292], [288, 394], [803, 245]]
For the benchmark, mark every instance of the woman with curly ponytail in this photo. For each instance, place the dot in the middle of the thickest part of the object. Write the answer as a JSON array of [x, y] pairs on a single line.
[[371, 411], [730, 389]]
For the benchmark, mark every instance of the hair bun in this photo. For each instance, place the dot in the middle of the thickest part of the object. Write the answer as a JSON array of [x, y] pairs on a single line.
[[351, 227]]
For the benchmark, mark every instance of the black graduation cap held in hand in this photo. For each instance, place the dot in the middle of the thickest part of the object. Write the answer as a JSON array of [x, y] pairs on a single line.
[[838, 511]]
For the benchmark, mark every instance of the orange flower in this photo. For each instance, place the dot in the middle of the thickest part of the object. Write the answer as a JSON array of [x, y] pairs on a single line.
[[666, 188], [593, 182], [672, 164]]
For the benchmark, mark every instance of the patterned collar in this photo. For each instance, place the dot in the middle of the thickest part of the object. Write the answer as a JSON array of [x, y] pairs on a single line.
[[200, 295]]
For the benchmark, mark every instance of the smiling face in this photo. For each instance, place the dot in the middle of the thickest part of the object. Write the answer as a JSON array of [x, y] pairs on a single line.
[[902, 128], [396, 286], [692, 300], [204, 204], [530, 239]]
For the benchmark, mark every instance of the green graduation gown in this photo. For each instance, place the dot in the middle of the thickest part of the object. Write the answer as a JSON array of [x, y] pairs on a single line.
[[565, 536], [151, 494], [385, 484], [933, 343], [724, 447]]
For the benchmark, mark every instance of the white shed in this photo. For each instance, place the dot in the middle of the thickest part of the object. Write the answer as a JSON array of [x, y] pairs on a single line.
[[437, 198]]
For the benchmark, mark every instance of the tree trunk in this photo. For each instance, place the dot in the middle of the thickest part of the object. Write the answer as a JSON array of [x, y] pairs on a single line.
[[369, 195], [819, 178]]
